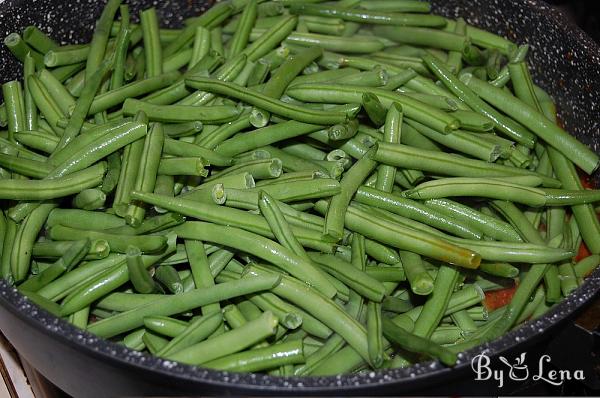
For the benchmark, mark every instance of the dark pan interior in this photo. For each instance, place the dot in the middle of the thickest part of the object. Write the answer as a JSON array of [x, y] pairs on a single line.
[[566, 63]]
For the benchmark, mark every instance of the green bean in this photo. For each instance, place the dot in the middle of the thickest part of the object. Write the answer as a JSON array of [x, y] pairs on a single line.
[[211, 18], [375, 333], [205, 192], [265, 136], [507, 126], [17, 46], [286, 314], [347, 93], [6, 233], [487, 39], [149, 225], [343, 131], [15, 107], [416, 211], [196, 331], [211, 139], [381, 252], [569, 146], [582, 268], [504, 270], [122, 42], [316, 27], [181, 113], [455, 57], [519, 221], [66, 55], [80, 275], [192, 166], [216, 40], [285, 353], [396, 5], [270, 38], [436, 305], [279, 226], [42, 302], [230, 342], [200, 270], [153, 342], [80, 318], [201, 46], [100, 38], [374, 108], [125, 301], [420, 281], [74, 218], [176, 61], [98, 249], [284, 75], [117, 96], [89, 199], [168, 305], [31, 112], [25, 167], [177, 130], [357, 280], [568, 279], [491, 226], [152, 46], [53, 188], [71, 257], [26, 234], [129, 171], [9, 235], [396, 305], [167, 275], [462, 141], [369, 17], [233, 217], [219, 260], [185, 149], [147, 171], [3, 115], [38, 39], [552, 283], [117, 243], [406, 238], [259, 169], [473, 121], [386, 174], [334, 220], [164, 325], [415, 343], [528, 283], [488, 188], [319, 306], [134, 340], [80, 111], [438, 162], [262, 248], [584, 214], [242, 34], [269, 104], [423, 36]]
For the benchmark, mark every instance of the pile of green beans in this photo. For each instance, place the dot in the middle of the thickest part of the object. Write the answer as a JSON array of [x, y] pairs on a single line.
[[289, 187]]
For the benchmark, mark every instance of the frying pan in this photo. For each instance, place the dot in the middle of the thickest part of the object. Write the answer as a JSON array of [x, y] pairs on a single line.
[[564, 61]]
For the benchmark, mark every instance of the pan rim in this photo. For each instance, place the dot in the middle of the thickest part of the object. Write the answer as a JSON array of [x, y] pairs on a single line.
[[11, 300]]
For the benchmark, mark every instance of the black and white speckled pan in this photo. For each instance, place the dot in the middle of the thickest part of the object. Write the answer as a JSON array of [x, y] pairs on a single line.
[[565, 62]]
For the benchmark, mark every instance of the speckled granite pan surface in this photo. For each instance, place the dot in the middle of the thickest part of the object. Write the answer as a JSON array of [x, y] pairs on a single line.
[[564, 61]]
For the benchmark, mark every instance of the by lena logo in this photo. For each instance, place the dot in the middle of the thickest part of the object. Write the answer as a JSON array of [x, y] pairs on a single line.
[[518, 370]]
